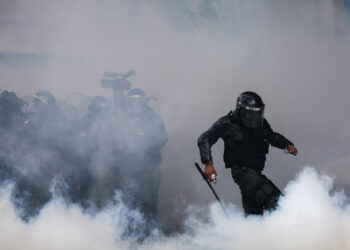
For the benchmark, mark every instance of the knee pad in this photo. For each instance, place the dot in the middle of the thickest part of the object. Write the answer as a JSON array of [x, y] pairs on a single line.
[[267, 195]]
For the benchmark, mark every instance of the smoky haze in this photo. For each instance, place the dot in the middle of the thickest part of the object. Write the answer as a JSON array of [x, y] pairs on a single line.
[[196, 57]]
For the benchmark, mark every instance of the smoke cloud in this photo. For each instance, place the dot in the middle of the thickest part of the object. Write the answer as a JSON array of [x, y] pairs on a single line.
[[195, 57], [309, 216]]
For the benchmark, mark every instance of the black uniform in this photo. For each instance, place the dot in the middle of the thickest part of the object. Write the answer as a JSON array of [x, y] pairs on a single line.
[[142, 137], [245, 154]]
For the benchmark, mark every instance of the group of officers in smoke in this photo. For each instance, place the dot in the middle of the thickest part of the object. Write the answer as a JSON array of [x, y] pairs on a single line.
[[52, 148], [48, 148]]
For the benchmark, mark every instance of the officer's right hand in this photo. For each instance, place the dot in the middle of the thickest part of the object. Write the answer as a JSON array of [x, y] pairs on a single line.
[[210, 172], [292, 150]]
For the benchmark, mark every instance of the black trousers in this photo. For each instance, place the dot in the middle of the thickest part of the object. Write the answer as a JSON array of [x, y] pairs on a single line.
[[258, 192], [140, 180]]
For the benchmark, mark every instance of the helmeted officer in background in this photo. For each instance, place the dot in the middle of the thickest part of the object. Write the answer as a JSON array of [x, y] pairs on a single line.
[[100, 129], [141, 136], [11, 114], [43, 101], [11, 122], [98, 107], [247, 136], [43, 112]]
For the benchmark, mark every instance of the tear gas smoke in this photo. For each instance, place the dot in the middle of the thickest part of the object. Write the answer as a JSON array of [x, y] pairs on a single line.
[[309, 217], [196, 57]]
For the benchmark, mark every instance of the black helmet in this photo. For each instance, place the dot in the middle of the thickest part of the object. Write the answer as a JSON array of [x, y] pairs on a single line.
[[44, 97], [10, 108], [43, 102], [137, 100], [11, 98], [98, 104], [251, 109], [136, 93]]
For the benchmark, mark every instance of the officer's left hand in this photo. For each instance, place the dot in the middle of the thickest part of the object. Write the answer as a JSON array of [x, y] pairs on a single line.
[[292, 150]]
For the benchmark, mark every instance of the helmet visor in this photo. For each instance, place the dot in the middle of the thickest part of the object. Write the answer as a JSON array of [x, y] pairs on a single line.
[[137, 103], [252, 118]]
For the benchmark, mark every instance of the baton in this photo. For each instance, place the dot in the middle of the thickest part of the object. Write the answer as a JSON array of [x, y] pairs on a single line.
[[211, 188]]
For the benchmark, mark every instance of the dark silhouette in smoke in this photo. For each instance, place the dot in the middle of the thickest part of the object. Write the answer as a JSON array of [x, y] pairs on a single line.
[[247, 136], [187, 50], [52, 148]]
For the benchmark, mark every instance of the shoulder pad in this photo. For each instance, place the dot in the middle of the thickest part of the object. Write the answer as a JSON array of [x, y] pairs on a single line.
[[232, 116], [223, 121]]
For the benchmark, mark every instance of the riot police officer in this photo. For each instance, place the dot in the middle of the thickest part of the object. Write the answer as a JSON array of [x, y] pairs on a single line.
[[142, 135], [11, 114], [247, 136]]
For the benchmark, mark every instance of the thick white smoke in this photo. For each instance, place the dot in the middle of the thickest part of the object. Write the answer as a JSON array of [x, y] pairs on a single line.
[[196, 57], [310, 217]]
